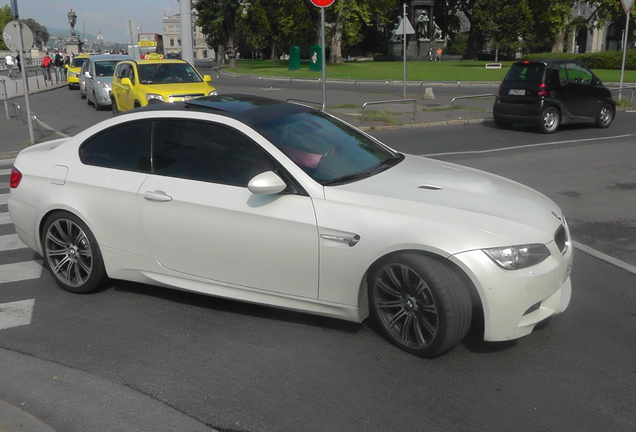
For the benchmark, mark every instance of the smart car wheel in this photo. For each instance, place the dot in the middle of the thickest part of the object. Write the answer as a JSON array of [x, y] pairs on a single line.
[[420, 303], [72, 254], [113, 104], [605, 116], [550, 120]]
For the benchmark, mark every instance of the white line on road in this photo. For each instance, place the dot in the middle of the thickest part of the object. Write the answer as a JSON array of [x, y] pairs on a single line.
[[20, 271], [5, 171], [4, 198], [527, 146], [16, 314], [5, 218], [11, 242]]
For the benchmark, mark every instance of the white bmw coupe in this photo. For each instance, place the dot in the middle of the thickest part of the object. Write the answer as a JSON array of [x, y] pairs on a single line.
[[269, 202]]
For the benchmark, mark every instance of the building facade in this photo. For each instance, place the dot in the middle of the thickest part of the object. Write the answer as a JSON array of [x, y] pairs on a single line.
[[172, 38]]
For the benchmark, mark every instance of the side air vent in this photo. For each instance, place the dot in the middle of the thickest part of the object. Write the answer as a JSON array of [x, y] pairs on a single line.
[[561, 239]]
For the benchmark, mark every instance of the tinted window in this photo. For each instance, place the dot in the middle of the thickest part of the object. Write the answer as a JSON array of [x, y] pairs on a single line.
[[125, 147], [105, 68], [206, 152], [167, 73], [525, 72]]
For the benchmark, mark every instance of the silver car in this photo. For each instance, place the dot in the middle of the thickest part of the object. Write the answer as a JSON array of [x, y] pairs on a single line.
[[97, 77]]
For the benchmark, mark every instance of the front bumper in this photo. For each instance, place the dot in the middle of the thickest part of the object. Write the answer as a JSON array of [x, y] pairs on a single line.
[[514, 301]]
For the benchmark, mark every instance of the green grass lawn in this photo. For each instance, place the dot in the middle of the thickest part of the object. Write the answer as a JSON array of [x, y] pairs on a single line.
[[393, 71]]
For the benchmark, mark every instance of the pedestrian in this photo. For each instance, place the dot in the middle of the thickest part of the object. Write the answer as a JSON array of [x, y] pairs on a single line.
[[438, 54], [10, 64], [47, 65], [18, 62], [58, 61], [430, 54]]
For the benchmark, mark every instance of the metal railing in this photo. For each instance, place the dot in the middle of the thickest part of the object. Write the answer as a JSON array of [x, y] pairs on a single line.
[[620, 90], [364, 106], [18, 111], [468, 97]]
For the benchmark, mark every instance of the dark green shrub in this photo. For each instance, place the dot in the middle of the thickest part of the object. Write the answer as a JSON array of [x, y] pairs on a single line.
[[597, 60]]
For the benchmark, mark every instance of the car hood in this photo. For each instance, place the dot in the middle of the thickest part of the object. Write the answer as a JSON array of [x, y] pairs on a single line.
[[456, 194], [179, 88]]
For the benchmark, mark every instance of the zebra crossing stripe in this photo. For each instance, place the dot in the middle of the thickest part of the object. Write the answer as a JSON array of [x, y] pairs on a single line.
[[5, 219], [5, 171], [20, 271], [4, 198], [16, 314], [11, 242]]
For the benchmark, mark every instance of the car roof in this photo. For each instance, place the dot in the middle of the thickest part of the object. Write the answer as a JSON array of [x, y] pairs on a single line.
[[548, 61], [103, 57], [165, 61], [247, 108]]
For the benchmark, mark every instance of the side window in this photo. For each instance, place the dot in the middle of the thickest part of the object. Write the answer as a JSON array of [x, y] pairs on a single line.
[[579, 74], [119, 71], [207, 152], [563, 75], [125, 147]]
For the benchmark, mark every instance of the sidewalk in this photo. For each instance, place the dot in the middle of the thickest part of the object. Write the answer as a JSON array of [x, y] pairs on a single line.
[[14, 131]]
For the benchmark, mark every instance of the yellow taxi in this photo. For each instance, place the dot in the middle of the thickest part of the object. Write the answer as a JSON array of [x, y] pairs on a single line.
[[73, 70], [136, 83]]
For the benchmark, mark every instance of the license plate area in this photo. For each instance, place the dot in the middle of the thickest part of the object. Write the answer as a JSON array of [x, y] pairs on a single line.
[[517, 92]]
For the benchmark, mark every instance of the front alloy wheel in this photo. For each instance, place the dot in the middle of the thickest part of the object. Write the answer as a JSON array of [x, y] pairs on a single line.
[[72, 254], [605, 116], [421, 304]]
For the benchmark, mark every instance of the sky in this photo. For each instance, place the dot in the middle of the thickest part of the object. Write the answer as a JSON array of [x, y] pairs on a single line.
[[110, 17]]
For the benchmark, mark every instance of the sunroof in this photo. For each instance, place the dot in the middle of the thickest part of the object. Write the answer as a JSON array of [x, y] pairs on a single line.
[[234, 103]]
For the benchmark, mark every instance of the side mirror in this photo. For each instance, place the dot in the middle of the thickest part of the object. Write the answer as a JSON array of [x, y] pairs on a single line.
[[87, 74], [207, 78], [267, 183], [126, 81]]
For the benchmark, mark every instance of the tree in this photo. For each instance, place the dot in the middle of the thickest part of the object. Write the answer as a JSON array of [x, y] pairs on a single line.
[[217, 19], [40, 33], [5, 17], [505, 23]]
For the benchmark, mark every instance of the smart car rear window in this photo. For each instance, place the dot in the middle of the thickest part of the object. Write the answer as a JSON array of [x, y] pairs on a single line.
[[525, 72]]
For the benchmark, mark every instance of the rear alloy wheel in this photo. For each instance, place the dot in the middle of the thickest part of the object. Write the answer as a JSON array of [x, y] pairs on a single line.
[[550, 120], [605, 116], [421, 304], [72, 255], [113, 103]]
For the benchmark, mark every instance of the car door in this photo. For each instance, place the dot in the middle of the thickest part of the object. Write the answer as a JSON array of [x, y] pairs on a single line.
[[201, 219], [89, 82], [581, 94]]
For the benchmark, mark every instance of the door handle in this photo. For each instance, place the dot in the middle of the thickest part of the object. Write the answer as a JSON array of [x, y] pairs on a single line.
[[160, 196]]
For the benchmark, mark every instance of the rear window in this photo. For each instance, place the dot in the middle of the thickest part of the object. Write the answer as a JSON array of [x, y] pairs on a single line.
[[525, 72]]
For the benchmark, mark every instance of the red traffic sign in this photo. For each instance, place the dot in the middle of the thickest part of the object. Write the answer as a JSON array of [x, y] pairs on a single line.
[[322, 3]]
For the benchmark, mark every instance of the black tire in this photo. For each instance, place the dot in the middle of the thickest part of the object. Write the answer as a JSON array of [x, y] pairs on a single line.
[[605, 116], [113, 103], [503, 124], [88, 100], [95, 103], [420, 303], [72, 254], [550, 120], [82, 95]]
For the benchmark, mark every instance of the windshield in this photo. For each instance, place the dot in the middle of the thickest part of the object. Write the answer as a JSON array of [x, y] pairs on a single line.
[[105, 68], [78, 62], [328, 150], [167, 73]]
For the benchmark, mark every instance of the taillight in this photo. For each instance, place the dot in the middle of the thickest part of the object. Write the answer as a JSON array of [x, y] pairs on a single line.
[[16, 177], [543, 90]]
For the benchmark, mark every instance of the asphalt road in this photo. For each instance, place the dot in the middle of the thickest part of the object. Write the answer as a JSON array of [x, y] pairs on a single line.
[[238, 367]]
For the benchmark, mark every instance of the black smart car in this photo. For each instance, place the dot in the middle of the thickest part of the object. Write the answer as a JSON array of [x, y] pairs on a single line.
[[550, 93]]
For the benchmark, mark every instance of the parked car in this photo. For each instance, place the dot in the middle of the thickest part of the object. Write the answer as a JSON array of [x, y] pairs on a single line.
[[550, 93], [82, 81], [98, 77], [137, 83], [73, 70], [275, 203]]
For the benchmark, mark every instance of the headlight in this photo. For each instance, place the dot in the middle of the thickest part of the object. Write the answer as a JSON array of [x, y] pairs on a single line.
[[518, 257], [151, 96], [71, 74], [213, 93], [102, 84]]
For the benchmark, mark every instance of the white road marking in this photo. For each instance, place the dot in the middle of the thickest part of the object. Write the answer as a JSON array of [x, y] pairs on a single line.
[[16, 313], [527, 146], [4, 198], [5, 218], [20, 271], [11, 242]]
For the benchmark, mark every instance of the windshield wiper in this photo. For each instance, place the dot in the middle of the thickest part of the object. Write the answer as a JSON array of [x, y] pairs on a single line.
[[382, 166]]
